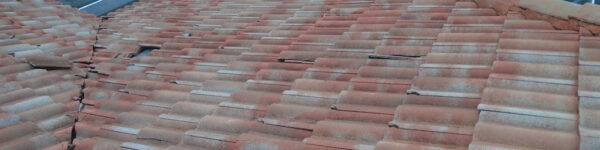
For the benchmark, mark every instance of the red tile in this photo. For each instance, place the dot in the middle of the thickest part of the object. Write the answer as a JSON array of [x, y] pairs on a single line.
[[453, 120], [399, 138], [294, 116], [381, 103], [476, 20], [345, 135], [504, 136], [473, 12]]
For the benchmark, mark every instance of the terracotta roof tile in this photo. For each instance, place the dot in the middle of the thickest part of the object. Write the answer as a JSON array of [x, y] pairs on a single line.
[[401, 138], [502, 132], [384, 105]]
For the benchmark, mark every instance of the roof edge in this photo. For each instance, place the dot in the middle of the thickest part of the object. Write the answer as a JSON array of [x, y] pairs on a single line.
[[561, 14]]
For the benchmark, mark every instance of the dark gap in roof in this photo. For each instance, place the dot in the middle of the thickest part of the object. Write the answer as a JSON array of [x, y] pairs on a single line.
[[144, 51], [584, 1], [76, 3], [98, 7], [395, 57]]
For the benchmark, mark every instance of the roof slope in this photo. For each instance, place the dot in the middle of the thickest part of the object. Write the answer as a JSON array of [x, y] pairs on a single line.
[[301, 74]]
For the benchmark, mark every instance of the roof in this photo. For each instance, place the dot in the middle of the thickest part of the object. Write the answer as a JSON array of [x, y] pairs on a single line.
[[332, 74]]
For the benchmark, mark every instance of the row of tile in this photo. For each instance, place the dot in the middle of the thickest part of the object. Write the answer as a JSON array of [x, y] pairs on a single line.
[[587, 92]]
